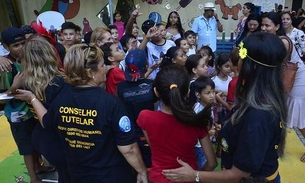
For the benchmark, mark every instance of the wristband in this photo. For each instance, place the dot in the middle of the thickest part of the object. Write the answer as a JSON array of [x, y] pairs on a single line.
[[33, 99]]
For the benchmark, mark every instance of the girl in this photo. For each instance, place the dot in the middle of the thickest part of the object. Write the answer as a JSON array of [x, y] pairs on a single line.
[[174, 55], [182, 43], [165, 130], [206, 51], [272, 23], [119, 24], [196, 65], [113, 56], [174, 26]]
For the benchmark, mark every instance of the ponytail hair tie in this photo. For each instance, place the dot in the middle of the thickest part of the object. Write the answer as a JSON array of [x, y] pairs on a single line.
[[173, 86]]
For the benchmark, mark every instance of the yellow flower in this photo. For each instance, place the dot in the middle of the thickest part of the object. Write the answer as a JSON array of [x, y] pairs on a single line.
[[242, 51]]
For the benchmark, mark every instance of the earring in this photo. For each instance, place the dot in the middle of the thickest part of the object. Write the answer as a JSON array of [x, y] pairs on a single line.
[[93, 77]]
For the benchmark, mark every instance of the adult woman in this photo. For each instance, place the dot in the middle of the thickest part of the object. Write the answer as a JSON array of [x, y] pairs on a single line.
[[44, 78], [272, 23], [174, 26], [248, 8], [254, 136], [100, 36], [296, 36], [253, 24], [98, 141]]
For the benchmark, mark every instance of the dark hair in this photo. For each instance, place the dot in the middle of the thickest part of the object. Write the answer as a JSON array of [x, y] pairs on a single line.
[[175, 97], [171, 54], [252, 16], [210, 53], [178, 41], [69, 25], [114, 14], [234, 56], [189, 32], [107, 52], [202, 82], [276, 19], [110, 27], [125, 39], [222, 59], [250, 6], [192, 61], [258, 85], [179, 24]]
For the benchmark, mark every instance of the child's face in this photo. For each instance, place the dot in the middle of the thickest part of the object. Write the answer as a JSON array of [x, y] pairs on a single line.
[[162, 30], [116, 54], [69, 36], [181, 58], [15, 49], [225, 69], [114, 34], [205, 54], [191, 40], [173, 19], [184, 46], [206, 96], [132, 44], [201, 69], [135, 30], [117, 17]]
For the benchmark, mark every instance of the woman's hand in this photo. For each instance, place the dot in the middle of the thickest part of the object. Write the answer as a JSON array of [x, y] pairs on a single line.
[[24, 95], [184, 173]]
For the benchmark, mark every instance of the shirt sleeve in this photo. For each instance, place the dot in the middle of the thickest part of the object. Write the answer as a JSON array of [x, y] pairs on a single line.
[[124, 130], [195, 26]]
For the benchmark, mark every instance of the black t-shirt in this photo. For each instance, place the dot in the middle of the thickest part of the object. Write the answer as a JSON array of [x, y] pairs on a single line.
[[91, 124], [251, 145]]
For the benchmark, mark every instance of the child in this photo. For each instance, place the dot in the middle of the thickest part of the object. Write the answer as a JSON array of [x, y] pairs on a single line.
[[114, 33], [119, 24], [137, 94], [174, 55], [113, 56], [234, 57], [190, 36], [182, 43], [196, 65], [205, 93], [17, 112], [165, 130], [206, 51], [155, 44]]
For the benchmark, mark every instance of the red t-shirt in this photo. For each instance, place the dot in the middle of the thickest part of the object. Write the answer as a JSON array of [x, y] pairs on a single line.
[[169, 139], [231, 91], [114, 76]]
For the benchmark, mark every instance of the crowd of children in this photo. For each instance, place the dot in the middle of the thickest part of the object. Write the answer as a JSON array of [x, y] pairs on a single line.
[[176, 98]]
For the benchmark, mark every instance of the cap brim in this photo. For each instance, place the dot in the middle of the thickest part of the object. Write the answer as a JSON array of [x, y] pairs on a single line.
[[214, 9]]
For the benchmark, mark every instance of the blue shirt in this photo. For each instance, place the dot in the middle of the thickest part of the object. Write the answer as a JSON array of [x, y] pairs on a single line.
[[206, 31]]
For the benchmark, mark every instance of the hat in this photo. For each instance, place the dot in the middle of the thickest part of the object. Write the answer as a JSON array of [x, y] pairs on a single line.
[[136, 61], [27, 29], [156, 17], [148, 24], [12, 35], [209, 6]]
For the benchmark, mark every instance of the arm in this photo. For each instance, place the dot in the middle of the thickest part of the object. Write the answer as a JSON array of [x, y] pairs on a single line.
[[152, 68], [207, 147], [301, 25], [219, 25], [223, 102], [186, 173], [131, 20], [30, 98], [133, 156]]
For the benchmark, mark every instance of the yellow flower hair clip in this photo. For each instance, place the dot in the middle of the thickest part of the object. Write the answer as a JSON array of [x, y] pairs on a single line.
[[242, 51]]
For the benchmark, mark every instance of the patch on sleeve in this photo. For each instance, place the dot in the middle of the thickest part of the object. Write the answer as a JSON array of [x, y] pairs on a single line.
[[124, 123]]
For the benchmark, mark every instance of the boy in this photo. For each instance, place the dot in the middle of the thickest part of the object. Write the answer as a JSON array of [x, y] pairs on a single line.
[[137, 94], [190, 36], [156, 45], [68, 31], [205, 93], [17, 112]]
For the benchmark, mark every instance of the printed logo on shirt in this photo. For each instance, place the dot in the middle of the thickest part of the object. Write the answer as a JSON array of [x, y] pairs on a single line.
[[124, 123], [224, 144]]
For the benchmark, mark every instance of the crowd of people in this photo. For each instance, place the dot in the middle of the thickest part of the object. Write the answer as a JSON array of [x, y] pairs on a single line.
[[111, 108]]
